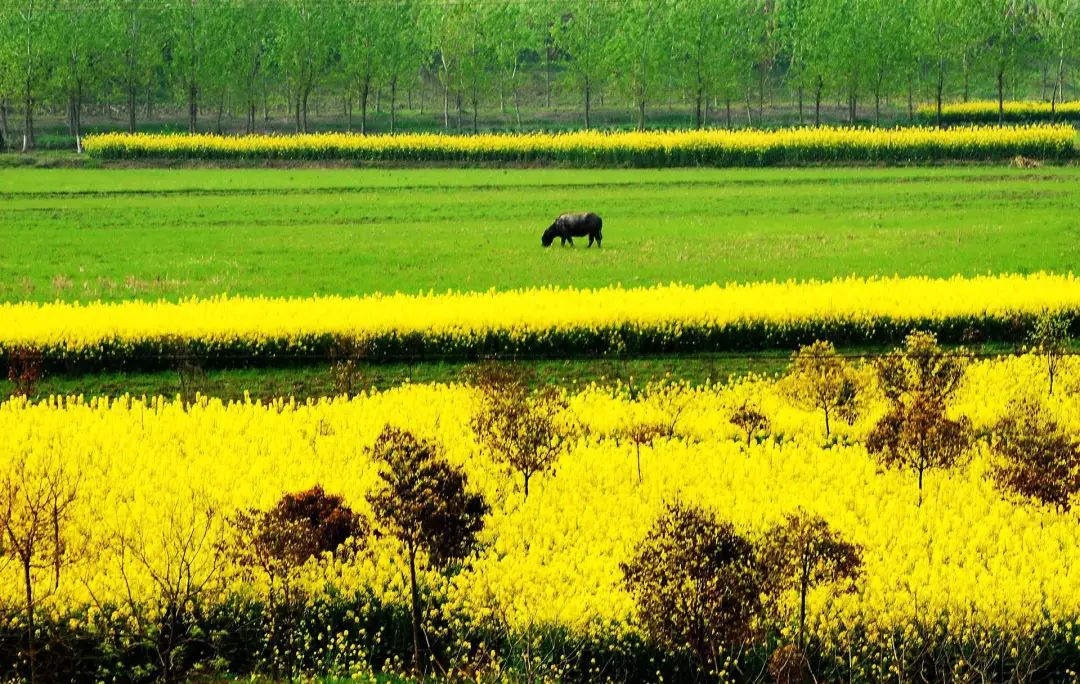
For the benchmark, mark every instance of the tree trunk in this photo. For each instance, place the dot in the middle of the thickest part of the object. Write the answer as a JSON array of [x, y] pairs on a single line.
[[921, 470], [307, 92], [393, 105], [1058, 85], [761, 97], [638, 449], [3, 124], [517, 106], [877, 106], [526, 476], [967, 75], [1001, 95], [76, 117], [31, 655], [728, 103], [547, 78], [697, 110], [940, 90], [800, 104], [193, 107], [641, 114], [587, 98], [28, 123], [296, 114], [365, 90], [417, 662], [446, 105], [131, 107], [803, 589], [475, 111], [817, 103]]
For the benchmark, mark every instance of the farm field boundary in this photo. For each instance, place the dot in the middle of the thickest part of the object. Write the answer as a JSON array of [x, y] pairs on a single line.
[[544, 323], [593, 148], [987, 111]]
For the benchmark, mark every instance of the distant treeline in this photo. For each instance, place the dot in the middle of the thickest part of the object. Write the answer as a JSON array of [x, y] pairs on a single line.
[[204, 59]]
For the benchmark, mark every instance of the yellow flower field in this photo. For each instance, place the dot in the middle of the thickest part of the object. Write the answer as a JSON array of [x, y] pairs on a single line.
[[605, 320], [651, 148], [977, 111], [968, 555]]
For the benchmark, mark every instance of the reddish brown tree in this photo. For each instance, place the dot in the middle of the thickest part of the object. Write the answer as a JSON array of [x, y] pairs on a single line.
[[424, 502], [749, 420], [1036, 457], [695, 582], [916, 432], [803, 552]]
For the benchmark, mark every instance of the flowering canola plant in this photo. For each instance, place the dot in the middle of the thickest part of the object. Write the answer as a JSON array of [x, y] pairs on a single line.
[[587, 148], [969, 555], [609, 320]]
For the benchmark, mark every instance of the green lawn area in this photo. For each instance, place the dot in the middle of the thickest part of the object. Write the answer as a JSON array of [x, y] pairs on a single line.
[[149, 233]]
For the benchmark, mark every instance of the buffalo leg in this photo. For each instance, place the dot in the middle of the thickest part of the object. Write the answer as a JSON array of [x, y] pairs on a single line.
[[590, 240], [571, 241]]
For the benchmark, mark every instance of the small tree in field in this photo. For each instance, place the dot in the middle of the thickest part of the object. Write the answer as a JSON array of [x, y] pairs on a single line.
[[1050, 339], [424, 502], [279, 541], [25, 370], [916, 432], [36, 502], [803, 552], [695, 583], [515, 426], [749, 420], [918, 436], [645, 432], [821, 379], [921, 368], [1036, 457], [181, 559]]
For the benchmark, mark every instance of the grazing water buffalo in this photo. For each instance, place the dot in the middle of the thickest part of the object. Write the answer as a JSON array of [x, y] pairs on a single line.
[[569, 226]]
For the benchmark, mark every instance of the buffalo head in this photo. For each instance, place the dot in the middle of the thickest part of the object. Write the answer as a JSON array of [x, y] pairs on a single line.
[[549, 236]]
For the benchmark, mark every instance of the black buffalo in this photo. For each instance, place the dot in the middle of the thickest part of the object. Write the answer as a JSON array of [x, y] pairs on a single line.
[[569, 226]]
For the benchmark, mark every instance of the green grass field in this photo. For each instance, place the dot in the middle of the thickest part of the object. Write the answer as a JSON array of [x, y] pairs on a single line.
[[148, 233]]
